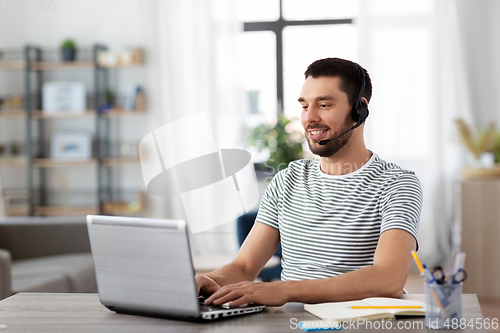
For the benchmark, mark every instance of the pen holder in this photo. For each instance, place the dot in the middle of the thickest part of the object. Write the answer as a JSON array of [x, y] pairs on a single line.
[[443, 305]]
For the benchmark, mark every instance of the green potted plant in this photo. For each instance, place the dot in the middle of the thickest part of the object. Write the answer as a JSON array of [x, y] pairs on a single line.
[[68, 50], [496, 150], [283, 143], [14, 148]]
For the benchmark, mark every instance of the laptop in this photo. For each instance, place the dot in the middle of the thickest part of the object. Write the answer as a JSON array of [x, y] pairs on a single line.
[[143, 266]]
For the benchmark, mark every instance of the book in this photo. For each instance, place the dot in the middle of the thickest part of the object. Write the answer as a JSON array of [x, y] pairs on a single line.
[[131, 99], [342, 311]]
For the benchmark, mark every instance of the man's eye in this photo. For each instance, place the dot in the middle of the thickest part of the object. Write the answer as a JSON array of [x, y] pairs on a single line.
[[324, 105], [304, 107]]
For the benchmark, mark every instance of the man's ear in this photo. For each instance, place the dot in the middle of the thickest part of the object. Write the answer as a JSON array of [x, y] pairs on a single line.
[[364, 100]]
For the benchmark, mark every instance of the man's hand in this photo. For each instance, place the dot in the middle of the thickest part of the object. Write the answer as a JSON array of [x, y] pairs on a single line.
[[206, 285], [265, 293]]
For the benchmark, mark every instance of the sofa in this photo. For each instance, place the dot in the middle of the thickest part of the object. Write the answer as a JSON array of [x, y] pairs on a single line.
[[45, 254]]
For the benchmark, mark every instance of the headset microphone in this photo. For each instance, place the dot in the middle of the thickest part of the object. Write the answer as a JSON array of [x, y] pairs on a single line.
[[359, 110]]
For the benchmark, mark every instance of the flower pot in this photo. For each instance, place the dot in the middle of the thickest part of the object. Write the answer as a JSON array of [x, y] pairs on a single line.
[[68, 54]]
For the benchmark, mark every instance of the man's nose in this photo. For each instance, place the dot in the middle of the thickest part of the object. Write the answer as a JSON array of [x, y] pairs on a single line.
[[312, 114]]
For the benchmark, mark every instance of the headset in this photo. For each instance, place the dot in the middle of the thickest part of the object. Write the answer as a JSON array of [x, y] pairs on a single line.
[[359, 111]]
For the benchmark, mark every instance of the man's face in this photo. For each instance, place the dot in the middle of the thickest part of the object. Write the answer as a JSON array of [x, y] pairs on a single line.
[[326, 113]]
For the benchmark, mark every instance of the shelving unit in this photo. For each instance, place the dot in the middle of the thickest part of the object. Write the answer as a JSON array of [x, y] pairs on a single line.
[[9, 162], [37, 162], [480, 214]]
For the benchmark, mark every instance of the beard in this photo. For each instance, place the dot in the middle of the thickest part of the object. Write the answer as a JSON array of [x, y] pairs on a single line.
[[332, 147]]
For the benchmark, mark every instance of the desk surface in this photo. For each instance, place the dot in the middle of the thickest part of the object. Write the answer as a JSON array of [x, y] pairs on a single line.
[[42, 312]]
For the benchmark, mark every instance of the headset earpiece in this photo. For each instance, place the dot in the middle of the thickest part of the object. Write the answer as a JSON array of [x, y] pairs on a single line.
[[363, 112], [360, 110]]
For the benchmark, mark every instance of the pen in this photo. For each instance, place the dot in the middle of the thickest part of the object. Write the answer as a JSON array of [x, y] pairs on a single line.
[[428, 278], [316, 325], [424, 272], [321, 329]]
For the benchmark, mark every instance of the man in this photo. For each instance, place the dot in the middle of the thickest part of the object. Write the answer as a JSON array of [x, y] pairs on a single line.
[[347, 221]]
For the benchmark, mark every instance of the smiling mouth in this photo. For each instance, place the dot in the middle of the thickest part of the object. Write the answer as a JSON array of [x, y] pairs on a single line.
[[315, 134]]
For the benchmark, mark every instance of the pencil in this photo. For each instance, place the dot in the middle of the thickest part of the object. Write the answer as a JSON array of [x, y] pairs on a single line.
[[417, 261], [386, 307], [423, 272]]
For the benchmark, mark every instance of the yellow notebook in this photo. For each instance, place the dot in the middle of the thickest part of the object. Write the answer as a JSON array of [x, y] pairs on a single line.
[[342, 311]]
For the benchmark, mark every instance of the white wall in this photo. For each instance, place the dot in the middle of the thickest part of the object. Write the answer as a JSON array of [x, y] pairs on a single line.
[[480, 31], [114, 22]]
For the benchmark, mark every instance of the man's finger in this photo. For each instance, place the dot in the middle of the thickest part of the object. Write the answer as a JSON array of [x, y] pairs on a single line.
[[218, 294], [231, 296], [242, 301]]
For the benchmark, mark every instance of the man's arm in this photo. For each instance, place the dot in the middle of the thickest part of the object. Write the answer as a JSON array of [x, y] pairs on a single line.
[[386, 277], [260, 244]]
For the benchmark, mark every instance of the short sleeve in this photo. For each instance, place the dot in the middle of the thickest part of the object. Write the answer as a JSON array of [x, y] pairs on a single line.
[[269, 206], [401, 205]]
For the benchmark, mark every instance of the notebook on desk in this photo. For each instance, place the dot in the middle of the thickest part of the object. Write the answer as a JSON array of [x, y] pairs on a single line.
[[143, 266], [373, 308]]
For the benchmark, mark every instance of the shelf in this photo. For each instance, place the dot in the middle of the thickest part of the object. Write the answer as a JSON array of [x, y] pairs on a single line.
[[53, 163], [42, 182], [114, 161], [121, 211], [133, 64], [482, 172], [66, 211], [14, 113], [60, 65], [126, 209], [117, 112], [65, 65], [11, 65], [13, 161], [17, 211], [110, 161], [40, 114]]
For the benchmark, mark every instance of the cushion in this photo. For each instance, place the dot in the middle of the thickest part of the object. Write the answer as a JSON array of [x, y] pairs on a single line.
[[62, 273]]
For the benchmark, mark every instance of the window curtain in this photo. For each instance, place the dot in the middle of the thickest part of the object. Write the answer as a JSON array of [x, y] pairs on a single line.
[[413, 51], [191, 68]]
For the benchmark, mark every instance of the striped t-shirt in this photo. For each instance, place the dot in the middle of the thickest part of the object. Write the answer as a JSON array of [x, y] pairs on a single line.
[[329, 224]]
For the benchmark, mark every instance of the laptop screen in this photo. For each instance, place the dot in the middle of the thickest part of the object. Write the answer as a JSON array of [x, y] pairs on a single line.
[[143, 265]]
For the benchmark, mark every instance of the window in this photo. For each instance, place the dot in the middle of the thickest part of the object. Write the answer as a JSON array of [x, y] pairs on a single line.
[[299, 33]]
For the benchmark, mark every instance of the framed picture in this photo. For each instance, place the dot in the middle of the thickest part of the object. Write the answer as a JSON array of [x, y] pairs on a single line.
[[64, 97], [74, 145]]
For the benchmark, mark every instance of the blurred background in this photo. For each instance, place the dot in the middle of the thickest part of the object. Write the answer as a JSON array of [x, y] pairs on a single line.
[[70, 127]]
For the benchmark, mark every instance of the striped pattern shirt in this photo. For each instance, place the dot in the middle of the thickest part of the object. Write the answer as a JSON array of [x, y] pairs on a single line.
[[329, 224]]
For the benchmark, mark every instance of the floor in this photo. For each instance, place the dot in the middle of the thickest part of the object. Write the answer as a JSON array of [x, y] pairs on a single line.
[[490, 307]]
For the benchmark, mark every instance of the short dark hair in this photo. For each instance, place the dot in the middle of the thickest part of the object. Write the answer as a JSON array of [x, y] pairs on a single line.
[[348, 72]]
